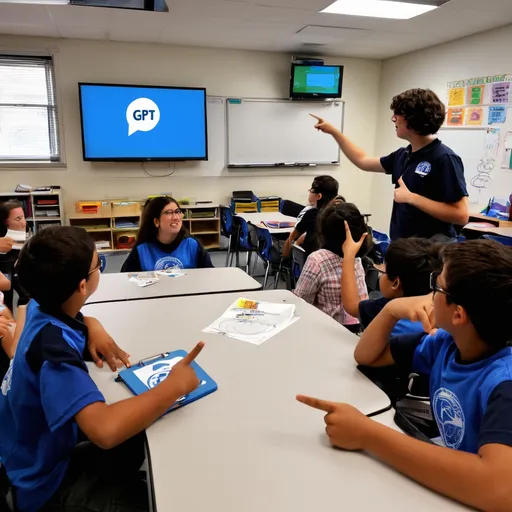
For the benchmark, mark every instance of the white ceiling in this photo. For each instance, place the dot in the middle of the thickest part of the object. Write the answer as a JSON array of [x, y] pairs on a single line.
[[293, 26]]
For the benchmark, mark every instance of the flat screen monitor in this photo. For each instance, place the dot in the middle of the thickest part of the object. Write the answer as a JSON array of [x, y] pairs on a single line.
[[316, 82], [143, 123]]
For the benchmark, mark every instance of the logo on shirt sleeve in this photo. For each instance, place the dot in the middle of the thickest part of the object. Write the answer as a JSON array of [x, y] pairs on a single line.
[[423, 168], [6, 383], [449, 417]]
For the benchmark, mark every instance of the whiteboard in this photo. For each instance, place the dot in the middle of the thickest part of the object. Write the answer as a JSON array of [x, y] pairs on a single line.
[[268, 132], [482, 159]]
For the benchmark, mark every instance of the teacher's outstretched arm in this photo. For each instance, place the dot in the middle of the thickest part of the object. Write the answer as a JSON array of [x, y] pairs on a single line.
[[356, 155]]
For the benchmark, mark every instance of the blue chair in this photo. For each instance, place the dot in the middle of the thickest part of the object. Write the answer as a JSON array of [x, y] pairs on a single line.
[[270, 256], [103, 262], [290, 208], [243, 244], [381, 243], [505, 240], [227, 230]]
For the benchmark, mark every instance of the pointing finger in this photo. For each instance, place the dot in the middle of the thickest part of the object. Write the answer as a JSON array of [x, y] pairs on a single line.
[[319, 119], [316, 403], [193, 353]]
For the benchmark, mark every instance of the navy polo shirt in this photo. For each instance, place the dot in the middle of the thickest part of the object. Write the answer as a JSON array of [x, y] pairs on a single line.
[[434, 172], [46, 385]]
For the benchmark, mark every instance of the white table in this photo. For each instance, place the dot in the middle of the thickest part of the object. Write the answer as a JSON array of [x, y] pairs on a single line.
[[257, 219], [250, 447], [117, 287]]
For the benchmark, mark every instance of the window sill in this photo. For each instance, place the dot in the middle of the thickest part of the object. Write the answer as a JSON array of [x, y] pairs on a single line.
[[32, 165]]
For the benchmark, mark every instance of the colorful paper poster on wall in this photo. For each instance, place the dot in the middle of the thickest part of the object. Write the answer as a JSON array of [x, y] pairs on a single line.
[[476, 94], [475, 116], [500, 92], [456, 96], [497, 115], [455, 117]]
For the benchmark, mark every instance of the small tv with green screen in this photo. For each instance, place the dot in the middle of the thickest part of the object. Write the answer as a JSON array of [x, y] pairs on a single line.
[[316, 82]]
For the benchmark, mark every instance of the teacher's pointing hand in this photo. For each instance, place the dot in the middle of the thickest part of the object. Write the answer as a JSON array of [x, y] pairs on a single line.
[[323, 125]]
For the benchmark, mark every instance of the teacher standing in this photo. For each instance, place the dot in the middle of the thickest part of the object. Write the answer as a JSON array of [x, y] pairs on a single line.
[[430, 189]]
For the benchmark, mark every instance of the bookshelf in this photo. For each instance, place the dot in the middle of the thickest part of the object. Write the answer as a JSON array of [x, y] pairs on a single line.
[[114, 224], [42, 208]]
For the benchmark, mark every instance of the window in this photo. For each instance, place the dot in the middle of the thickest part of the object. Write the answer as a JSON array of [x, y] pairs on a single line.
[[29, 127]]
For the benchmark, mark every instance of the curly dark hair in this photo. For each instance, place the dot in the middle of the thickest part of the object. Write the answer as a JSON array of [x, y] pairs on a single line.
[[422, 109]]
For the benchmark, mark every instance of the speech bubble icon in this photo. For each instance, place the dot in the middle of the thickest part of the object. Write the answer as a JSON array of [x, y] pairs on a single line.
[[142, 115]]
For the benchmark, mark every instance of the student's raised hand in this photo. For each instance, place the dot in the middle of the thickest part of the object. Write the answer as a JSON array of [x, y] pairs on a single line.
[[6, 244], [345, 425], [102, 344], [402, 193], [323, 126], [350, 247], [183, 378], [416, 309]]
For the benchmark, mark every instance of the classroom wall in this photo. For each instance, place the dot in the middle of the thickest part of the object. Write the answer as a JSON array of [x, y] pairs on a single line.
[[479, 55], [223, 73]]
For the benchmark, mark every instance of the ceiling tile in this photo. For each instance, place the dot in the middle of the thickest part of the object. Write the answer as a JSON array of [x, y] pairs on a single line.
[[73, 15], [24, 14], [320, 34]]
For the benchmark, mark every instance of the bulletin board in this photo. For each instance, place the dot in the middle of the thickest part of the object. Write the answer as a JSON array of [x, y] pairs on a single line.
[[479, 129]]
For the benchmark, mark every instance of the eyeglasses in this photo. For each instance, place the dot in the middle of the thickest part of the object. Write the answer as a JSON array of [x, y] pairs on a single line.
[[177, 213], [435, 287], [95, 269]]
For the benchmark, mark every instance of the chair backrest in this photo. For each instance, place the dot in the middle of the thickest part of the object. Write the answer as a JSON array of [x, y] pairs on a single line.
[[380, 237], [290, 208], [264, 244], [243, 233], [505, 240], [299, 259], [226, 221]]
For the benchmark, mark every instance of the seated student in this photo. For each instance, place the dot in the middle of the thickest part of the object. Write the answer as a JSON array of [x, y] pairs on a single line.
[[470, 367], [12, 217], [163, 242], [322, 191], [319, 282], [408, 265], [49, 402]]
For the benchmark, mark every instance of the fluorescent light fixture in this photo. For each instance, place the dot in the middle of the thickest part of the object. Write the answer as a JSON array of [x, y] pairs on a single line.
[[378, 9]]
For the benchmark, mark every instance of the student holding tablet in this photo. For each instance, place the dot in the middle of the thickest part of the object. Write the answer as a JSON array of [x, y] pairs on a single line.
[[430, 189]]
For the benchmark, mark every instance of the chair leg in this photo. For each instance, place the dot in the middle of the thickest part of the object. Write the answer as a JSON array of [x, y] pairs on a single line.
[[276, 278], [229, 251], [266, 275], [248, 261]]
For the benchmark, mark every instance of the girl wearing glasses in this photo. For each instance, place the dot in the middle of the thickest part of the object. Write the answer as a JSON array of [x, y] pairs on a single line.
[[163, 242]]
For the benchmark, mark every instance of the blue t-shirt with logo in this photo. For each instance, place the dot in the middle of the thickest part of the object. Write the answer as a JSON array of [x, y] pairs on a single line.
[[46, 385], [471, 401], [434, 172], [369, 309], [184, 252]]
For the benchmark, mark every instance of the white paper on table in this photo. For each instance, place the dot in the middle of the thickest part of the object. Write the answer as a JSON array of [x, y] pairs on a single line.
[[254, 325], [143, 279], [17, 236]]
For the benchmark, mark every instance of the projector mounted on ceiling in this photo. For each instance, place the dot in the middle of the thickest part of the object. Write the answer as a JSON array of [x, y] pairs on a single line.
[[141, 5]]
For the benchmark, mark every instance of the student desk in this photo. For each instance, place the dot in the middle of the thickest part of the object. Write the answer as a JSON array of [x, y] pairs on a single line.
[[117, 287], [472, 229], [257, 219], [250, 446]]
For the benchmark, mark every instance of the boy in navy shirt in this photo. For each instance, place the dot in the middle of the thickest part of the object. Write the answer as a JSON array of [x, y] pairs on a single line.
[[48, 401], [408, 265], [470, 367], [430, 188]]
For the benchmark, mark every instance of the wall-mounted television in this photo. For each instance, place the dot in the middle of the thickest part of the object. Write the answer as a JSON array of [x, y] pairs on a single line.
[[142, 123], [316, 82]]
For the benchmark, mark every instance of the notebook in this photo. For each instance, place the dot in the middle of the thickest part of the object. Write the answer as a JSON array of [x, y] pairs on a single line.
[[148, 373]]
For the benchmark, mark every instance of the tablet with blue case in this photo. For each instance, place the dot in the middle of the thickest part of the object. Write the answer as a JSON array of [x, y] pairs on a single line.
[[148, 373]]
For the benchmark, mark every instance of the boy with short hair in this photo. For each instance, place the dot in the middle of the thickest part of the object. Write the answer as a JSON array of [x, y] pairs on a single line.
[[47, 395], [323, 190], [470, 367], [408, 265]]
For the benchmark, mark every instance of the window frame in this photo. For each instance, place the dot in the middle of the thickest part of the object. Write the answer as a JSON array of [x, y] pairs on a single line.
[[28, 164]]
